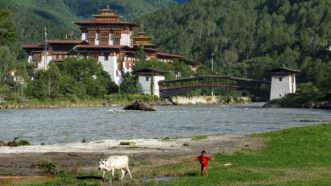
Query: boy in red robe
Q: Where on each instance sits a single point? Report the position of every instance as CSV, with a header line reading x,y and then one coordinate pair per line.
x,y
204,160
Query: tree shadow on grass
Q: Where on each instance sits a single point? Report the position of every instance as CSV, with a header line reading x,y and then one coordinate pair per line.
x,y
89,178
191,174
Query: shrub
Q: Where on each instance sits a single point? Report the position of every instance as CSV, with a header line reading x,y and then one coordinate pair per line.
x,y
48,167
17,142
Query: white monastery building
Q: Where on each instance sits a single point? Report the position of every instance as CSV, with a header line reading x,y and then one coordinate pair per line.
x,y
106,38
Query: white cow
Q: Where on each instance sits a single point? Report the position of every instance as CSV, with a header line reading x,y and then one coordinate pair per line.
x,y
113,163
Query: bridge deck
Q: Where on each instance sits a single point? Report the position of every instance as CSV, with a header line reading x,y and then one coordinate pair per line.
x,y
172,87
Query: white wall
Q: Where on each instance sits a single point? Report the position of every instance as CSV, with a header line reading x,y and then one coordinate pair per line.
x,y
43,64
185,100
294,84
111,67
127,68
282,85
30,59
84,36
97,39
110,42
126,39
144,82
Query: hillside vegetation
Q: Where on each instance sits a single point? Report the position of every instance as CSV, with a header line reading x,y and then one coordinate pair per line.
x,y
248,38
31,16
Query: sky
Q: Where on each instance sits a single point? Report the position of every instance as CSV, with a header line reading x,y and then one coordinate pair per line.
x,y
182,1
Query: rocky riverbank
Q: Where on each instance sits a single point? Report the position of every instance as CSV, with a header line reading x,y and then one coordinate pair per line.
x,y
108,101
193,100
288,104
121,101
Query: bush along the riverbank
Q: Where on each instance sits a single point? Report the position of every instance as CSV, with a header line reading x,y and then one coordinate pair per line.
x,y
308,96
15,142
108,100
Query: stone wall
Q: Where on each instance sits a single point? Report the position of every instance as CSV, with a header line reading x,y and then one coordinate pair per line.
x,y
183,100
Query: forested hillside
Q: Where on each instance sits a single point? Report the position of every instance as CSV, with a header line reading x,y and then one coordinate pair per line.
x,y
249,37
31,16
127,8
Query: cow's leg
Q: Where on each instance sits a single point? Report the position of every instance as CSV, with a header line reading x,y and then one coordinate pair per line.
x,y
103,174
113,175
128,170
123,174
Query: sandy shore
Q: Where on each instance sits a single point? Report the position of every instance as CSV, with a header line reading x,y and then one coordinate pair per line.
x,y
23,161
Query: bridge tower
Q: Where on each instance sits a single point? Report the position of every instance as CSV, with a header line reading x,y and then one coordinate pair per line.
x,y
148,80
283,82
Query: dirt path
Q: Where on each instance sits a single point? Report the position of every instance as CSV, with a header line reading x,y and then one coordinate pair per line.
x,y
33,160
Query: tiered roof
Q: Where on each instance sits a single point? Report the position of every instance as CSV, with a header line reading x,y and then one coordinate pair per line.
x,y
142,39
105,17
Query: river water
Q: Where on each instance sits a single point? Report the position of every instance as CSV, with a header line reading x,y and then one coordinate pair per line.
x,y
72,125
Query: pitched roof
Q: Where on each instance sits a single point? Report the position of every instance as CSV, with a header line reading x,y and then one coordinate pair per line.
x,y
150,70
57,41
99,46
52,42
283,70
94,22
32,46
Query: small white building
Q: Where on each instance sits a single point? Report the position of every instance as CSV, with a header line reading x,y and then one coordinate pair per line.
x,y
283,82
148,80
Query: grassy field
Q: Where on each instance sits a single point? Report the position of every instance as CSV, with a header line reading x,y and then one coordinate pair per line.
x,y
293,157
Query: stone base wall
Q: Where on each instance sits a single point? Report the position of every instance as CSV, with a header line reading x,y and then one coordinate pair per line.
x,y
183,100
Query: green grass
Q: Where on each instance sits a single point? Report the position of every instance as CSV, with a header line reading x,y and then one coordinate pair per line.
x,y
293,157
198,138
297,156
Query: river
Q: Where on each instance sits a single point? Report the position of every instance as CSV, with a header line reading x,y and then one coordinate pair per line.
x,y
51,126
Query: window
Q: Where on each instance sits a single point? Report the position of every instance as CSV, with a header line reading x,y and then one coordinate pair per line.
x,y
117,38
111,39
280,79
106,56
97,42
147,78
84,36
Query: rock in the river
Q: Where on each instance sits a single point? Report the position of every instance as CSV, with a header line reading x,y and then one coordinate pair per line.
x,y
271,105
2,143
139,105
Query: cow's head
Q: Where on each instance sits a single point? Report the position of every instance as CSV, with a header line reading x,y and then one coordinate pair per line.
x,y
102,165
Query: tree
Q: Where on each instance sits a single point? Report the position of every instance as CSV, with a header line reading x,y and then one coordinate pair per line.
x,y
7,29
72,78
140,55
7,64
129,84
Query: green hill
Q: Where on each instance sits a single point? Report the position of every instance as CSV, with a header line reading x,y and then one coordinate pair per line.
x,y
248,38
246,34
31,16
